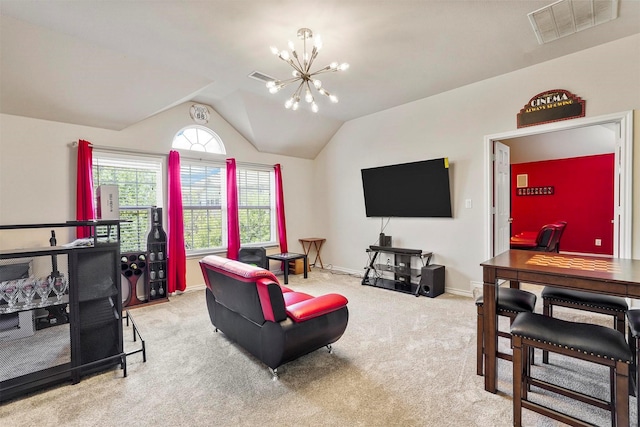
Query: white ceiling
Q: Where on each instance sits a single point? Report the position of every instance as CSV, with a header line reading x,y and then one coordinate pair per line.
x,y
563,144
111,64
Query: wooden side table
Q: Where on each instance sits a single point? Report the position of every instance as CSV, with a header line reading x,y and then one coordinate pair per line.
x,y
316,243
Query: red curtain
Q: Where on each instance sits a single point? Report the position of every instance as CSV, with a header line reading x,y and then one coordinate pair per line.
x,y
84,187
233,226
176,254
282,227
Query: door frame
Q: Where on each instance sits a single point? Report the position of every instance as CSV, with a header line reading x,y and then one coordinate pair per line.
x,y
624,168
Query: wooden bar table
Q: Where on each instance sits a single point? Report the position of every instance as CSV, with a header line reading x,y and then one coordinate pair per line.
x,y
610,276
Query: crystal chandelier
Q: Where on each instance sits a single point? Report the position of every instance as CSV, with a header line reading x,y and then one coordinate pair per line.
x,y
302,73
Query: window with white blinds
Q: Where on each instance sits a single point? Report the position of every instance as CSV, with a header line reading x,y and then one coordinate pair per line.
x,y
139,181
255,207
202,193
204,203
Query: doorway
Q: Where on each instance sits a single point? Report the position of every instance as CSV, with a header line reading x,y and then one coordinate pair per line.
x,y
623,124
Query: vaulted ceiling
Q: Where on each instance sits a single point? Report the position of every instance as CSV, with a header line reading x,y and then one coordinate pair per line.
x,y
111,64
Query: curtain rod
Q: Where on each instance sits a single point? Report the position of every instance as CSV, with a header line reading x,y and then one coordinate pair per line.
x,y
151,153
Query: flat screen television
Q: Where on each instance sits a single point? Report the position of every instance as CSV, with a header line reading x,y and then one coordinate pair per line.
x,y
414,190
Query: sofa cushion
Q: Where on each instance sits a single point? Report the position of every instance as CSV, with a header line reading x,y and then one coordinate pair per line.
x,y
315,307
294,297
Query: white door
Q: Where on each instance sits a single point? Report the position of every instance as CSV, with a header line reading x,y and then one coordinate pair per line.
x,y
502,198
618,185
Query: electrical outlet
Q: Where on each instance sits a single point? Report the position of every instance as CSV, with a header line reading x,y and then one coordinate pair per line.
x,y
598,242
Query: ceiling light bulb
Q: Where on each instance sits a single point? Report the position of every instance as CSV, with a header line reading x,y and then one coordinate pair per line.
x,y
274,89
314,107
308,97
333,65
295,73
295,106
271,83
317,42
289,103
317,83
322,91
344,66
333,98
292,46
274,50
284,55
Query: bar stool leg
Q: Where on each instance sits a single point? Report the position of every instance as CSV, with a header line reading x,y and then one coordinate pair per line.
x,y
518,370
480,344
547,310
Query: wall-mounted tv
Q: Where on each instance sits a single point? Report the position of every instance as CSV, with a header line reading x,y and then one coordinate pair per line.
x,y
414,190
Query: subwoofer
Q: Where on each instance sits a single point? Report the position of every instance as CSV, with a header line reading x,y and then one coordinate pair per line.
x,y
432,280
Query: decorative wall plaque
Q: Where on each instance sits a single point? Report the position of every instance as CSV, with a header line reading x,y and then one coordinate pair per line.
x,y
546,190
551,106
199,113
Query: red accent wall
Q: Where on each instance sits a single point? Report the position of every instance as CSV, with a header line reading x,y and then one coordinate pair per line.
x,y
583,196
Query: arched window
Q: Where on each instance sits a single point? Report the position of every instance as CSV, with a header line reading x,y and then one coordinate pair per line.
x,y
198,138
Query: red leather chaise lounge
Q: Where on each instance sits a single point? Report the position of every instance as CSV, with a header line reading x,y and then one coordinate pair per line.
x,y
272,322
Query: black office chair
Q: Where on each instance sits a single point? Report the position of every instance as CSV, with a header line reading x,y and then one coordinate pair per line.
x,y
255,256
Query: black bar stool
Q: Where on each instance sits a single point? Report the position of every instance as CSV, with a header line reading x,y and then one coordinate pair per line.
x,y
585,301
511,301
593,343
634,345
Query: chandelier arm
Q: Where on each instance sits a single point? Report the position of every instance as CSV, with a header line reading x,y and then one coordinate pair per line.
x,y
300,87
293,65
323,70
309,89
299,67
283,83
314,55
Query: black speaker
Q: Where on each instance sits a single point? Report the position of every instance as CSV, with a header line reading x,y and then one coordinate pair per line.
x,y
384,240
432,280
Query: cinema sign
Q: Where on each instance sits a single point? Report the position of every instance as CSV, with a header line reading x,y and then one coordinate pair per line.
x,y
551,106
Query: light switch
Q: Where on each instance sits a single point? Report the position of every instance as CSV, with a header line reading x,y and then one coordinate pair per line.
x,y
468,203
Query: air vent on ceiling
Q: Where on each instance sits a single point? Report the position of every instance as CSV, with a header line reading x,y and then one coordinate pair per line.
x,y
566,17
256,75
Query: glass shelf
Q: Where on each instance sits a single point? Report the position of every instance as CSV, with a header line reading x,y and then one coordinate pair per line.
x,y
35,304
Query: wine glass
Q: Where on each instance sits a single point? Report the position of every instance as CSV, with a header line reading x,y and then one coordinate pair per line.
x,y
59,286
28,288
43,287
3,295
11,291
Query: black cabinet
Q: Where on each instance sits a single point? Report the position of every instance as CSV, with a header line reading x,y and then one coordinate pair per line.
x,y
84,333
397,269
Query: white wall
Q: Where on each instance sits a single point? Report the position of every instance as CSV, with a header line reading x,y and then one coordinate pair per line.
x,y
453,125
324,197
37,171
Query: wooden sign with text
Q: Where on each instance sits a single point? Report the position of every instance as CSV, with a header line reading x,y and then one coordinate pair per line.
x,y
551,106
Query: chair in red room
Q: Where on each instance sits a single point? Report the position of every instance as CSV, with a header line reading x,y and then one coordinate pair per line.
x,y
547,240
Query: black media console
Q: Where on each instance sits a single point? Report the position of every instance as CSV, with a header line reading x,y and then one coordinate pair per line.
x,y
391,268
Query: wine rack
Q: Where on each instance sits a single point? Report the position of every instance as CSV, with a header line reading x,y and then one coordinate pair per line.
x,y
157,256
135,286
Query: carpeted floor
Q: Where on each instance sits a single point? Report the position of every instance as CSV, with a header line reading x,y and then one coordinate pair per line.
x,y
403,361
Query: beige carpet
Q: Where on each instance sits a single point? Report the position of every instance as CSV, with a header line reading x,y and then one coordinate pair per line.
x,y
403,361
